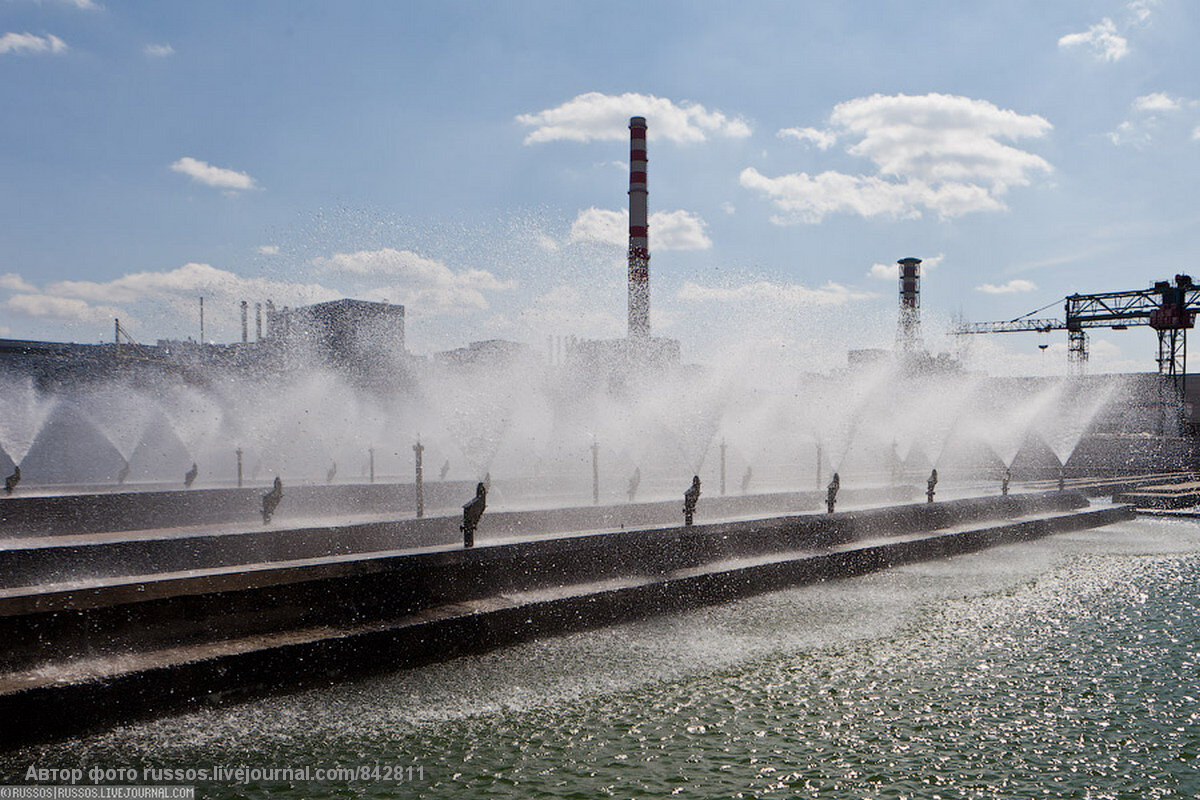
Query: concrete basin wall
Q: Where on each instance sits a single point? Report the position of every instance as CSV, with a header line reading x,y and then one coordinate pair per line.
x,y
182,608
39,515
42,709
28,562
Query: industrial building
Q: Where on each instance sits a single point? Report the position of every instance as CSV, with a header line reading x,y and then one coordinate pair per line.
x,y
491,352
350,336
344,333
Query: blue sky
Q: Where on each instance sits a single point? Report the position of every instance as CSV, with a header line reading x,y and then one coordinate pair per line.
x,y
468,160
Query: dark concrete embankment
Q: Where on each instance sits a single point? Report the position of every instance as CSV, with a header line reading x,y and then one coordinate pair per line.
x,y
101,512
32,560
122,647
1177,495
40,515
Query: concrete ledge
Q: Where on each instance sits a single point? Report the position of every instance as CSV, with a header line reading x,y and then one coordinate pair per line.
x,y
35,706
1162,496
51,559
118,615
41,515
100,512
589,555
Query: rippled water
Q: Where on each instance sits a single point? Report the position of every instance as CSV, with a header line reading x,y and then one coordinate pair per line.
x,y
1065,667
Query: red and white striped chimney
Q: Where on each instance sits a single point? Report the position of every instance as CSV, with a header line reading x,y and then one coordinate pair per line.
x,y
639,232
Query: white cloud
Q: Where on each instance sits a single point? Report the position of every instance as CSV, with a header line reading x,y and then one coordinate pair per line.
x,y
805,198
1129,132
64,309
678,230
1140,10
594,116
669,230
149,301
1149,112
932,263
158,50
775,295
891,272
190,281
170,296
600,225
268,249
1157,101
884,272
15,283
822,139
934,152
217,177
728,208
28,43
1014,286
1101,39
938,137
1196,133
425,284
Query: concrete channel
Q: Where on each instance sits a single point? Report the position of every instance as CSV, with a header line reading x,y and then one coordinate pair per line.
x,y
95,652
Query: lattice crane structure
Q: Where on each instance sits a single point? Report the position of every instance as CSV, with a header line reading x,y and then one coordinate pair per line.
x,y
1169,308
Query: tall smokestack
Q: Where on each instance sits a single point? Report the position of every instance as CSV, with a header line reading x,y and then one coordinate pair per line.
x,y
908,332
639,232
245,325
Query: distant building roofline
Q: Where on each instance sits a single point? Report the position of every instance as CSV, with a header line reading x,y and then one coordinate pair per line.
x,y
349,301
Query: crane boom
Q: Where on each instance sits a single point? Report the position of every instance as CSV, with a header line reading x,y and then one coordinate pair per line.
x,y
1012,326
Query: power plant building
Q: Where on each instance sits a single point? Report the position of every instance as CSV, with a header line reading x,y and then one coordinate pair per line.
x,y
342,330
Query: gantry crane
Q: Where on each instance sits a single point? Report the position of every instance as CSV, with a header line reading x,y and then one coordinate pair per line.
x,y
1169,308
